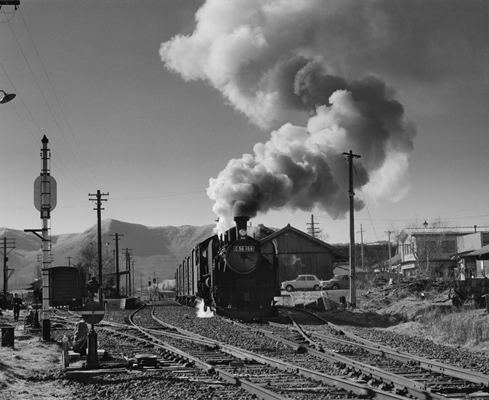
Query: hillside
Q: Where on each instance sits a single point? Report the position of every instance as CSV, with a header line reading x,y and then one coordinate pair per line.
x,y
156,251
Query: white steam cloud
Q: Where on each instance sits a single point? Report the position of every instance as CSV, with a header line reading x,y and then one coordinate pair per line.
x,y
270,57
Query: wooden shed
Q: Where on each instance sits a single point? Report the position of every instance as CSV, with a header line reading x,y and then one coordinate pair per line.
x,y
300,253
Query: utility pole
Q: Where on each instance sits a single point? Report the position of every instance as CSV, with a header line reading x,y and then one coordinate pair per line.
x,y
133,277
8,246
390,260
117,238
128,270
312,230
69,261
351,193
99,208
361,244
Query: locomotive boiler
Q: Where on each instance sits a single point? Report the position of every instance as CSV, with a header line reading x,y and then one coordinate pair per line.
x,y
230,275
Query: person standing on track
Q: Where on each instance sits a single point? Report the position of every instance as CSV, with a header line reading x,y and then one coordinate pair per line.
x,y
16,303
92,288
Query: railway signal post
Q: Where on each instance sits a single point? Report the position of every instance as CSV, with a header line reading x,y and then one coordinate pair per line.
x,y
45,200
92,312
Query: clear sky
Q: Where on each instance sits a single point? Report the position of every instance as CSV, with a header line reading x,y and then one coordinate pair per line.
x,y
149,100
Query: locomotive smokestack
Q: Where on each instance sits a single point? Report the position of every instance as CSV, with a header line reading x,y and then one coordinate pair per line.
x,y
241,223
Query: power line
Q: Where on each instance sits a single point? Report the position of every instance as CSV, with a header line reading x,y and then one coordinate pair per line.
x,y
365,202
312,230
60,107
44,98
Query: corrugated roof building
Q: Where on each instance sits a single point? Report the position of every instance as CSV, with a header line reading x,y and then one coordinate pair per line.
x,y
300,253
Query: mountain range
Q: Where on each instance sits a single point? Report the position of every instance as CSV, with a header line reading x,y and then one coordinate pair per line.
x,y
155,252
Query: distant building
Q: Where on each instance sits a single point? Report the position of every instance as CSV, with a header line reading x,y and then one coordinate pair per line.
x,y
372,257
344,269
300,253
434,250
472,264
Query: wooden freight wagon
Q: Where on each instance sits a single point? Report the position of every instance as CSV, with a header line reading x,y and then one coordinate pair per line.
x,y
67,287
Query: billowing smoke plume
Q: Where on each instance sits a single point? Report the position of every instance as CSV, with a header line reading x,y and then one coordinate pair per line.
x,y
302,168
270,57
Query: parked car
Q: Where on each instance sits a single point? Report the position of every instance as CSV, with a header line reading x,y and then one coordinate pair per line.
x,y
337,282
302,282
380,282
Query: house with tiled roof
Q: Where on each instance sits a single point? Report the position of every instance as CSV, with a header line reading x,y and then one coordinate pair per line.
x,y
432,249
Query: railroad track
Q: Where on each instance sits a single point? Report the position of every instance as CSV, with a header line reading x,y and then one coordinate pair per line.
x,y
377,367
140,350
382,366
265,377
289,361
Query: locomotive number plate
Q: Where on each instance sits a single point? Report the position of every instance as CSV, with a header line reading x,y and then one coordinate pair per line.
x,y
243,249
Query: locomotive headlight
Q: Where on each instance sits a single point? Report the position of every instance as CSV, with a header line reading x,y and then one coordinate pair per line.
x,y
242,233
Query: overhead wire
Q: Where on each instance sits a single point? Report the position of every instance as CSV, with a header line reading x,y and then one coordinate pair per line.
x,y
60,107
365,202
59,104
78,183
35,122
17,112
7,13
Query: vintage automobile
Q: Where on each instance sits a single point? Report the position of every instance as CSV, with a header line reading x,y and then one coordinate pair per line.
x,y
302,282
337,282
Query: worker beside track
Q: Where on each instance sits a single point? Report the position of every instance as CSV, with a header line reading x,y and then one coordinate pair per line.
x,y
80,338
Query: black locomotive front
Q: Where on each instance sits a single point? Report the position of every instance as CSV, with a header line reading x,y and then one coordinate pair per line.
x,y
244,280
230,275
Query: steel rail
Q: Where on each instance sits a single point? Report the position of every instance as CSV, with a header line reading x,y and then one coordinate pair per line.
x,y
412,388
345,384
226,376
250,387
431,365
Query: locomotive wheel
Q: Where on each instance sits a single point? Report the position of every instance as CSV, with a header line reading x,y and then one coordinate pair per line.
x,y
335,286
316,288
289,288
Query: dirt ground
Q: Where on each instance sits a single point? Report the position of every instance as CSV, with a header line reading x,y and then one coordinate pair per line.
x,y
30,370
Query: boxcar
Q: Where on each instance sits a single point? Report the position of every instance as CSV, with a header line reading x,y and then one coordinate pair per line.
x,y
67,287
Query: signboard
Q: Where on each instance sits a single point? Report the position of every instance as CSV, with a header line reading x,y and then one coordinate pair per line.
x,y
244,249
93,312
52,197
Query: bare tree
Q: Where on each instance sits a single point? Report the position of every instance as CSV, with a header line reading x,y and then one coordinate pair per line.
x,y
88,260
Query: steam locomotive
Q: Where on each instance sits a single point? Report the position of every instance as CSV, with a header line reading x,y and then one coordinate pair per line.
x,y
230,275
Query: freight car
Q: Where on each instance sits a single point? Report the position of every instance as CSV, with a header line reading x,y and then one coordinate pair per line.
x,y
230,275
67,287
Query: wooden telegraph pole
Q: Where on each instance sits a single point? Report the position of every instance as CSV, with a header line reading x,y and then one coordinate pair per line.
x,y
117,274
351,193
99,208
